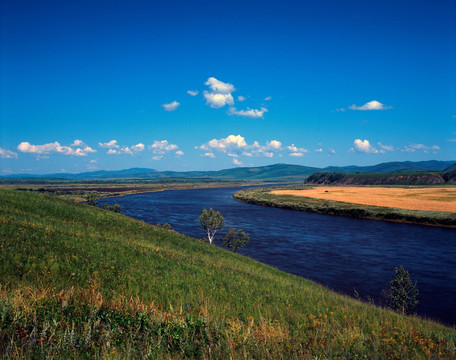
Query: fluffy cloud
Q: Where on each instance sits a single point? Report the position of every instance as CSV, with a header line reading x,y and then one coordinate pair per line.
x,y
215,100
364,146
250,113
319,150
162,147
331,152
171,106
179,153
220,94
385,148
109,145
218,86
296,152
192,92
371,105
7,154
209,155
235,146
241,98
55,147
237,162
115,149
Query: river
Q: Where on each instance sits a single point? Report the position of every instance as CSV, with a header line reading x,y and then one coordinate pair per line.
x,y
341,253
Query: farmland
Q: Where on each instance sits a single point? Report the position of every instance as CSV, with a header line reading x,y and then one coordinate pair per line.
x,y
428,198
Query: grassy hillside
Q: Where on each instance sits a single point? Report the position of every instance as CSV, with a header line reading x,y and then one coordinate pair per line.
x,y
80,282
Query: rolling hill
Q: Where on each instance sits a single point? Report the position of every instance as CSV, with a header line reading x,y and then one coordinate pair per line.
x,y
80,282
276,172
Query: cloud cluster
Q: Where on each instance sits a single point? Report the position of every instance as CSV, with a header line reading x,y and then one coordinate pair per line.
x,y
192,92
364,146
115,149
296,151
235,146
426,149
7,154
77,148
161,147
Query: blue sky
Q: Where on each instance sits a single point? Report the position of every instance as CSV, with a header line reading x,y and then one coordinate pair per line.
x,y
201,85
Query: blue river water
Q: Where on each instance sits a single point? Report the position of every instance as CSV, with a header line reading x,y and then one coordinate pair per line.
x,y
341,253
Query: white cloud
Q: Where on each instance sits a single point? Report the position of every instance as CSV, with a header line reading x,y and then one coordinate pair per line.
x,y
220,94
209,155
7,154
250,113
124,150
235,145
274,144
138,147
296,152
319,150
218,86
364,146
371,105
268,98
157,157
216,100
109,145
426,149
331,152
55,147
93,161
192,92
77,143
241,98
385,148
230,142
171,106
162,147
179,153
237,162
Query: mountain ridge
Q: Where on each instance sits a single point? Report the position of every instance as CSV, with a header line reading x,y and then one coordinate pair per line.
x,y
278,171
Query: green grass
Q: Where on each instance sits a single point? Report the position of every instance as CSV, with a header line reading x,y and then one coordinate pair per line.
x,y
80,282
263,197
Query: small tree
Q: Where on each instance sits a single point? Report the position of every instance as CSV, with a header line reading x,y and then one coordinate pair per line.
x,y
211,221
235,239
115,208
403,296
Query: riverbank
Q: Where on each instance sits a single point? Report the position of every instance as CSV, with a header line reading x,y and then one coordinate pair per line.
x,y
79,190
265,197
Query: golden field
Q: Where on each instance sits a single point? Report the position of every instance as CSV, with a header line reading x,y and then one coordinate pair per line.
x,y
429,199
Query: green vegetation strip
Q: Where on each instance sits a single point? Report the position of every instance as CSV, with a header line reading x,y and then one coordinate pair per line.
x,y
79,282
263,197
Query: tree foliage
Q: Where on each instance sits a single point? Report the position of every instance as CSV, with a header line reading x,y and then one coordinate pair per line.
x,y
403,296
92,199
114,208
235,239
211,221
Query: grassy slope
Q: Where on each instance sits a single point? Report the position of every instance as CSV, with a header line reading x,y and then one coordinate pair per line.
x,y
81,282
262,196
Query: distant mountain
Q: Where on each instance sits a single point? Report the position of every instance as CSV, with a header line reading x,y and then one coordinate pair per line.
x,y
276,172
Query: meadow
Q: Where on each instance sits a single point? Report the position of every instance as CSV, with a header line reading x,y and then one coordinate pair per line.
x,y
81,282
285,197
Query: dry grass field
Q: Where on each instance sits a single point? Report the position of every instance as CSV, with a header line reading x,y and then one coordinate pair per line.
x,y
430,199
